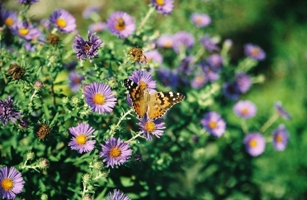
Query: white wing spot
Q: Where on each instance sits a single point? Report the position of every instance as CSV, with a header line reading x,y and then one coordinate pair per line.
x,y
162,95
171,94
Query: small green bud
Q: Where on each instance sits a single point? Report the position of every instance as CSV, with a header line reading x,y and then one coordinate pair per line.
x,y
86,178
44,197
43,163
30,155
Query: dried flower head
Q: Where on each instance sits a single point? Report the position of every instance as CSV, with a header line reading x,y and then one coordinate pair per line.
x,y
16,71
137,55
42,131
53,39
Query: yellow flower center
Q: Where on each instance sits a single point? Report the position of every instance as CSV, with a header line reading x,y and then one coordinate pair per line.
x,y
278,138
198,20
61,23
115,152
255,51
143,85
7,184
244,111
212,124
81,139
168,44
9,22
99,99
23,31
160,2
150,126
120,24
252,143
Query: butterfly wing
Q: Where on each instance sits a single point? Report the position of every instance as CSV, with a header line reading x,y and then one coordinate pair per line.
x,y
160,102
137,96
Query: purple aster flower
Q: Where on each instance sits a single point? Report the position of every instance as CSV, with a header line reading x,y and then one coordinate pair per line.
x,y
8,111
215,62
75,80
185,65
143,77
231,91
214,124
254,143
209,43
63,21
45,23
164,7
117,195
98,27
81,140
99,97
121,24
11,182
211,75
244,82
87,49
280,138
168,77
115,152
9,18
154,56
199,80
200,20
29,47
281,111
149,128
254,52
89,11
165,41
182,40
245,109
71,65
25,30
28,1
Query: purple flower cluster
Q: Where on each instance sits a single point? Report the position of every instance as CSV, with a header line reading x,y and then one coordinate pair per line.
x,y
254,52
121,24
241,85
8,111
254,143
87,49
163,6
214,124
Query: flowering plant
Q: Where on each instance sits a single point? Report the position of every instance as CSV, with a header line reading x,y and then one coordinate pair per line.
x,y
133,111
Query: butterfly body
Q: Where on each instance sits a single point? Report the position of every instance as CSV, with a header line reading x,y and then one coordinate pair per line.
x,y
154,105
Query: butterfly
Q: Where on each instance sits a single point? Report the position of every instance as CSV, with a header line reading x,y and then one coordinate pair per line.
x,y
154,105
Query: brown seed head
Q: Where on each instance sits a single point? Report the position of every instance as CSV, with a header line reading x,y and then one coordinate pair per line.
x,y
16,71
42,131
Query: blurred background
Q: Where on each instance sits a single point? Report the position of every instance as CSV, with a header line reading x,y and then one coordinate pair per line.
x,y
279,27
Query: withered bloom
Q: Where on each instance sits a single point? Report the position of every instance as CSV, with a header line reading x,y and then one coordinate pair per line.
x,y
42,131
137,55
53,39
16,71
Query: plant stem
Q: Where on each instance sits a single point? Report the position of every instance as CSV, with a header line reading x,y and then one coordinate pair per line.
x,y
269,122
146,17
119,121
244,126
136,136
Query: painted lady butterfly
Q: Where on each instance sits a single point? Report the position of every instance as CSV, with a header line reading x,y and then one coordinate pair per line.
x,y
155,105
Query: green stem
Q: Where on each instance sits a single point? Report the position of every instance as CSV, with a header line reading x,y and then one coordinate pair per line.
x,y
3,73
270,121
146,17
244,126
134,137
119,121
